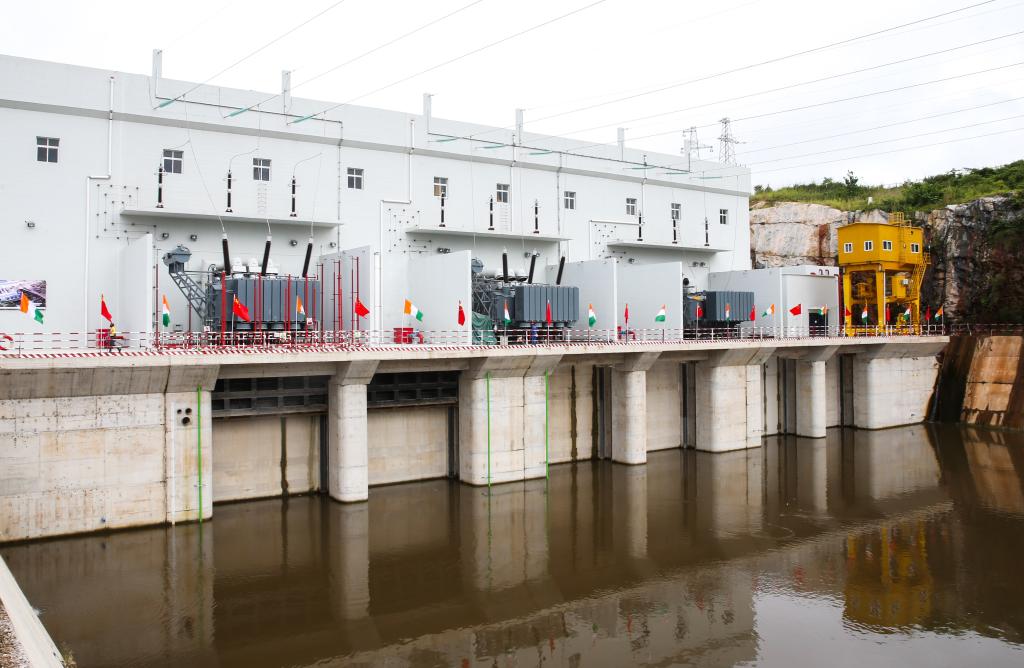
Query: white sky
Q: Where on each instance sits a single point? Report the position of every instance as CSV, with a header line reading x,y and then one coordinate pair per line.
x,y
615,48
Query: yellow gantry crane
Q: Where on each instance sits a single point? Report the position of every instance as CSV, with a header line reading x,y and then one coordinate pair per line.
x,y
883,266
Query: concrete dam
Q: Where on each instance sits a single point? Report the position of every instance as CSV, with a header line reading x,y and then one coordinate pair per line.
x,y
98,441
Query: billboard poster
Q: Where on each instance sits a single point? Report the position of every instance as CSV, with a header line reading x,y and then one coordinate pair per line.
x,y
11,289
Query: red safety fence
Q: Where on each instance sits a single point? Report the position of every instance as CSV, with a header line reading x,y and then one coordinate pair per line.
x,y
61,344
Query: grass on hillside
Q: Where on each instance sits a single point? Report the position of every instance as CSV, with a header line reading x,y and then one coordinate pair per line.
x,y
954,187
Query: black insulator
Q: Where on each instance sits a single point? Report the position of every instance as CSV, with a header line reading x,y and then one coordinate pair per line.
x,y
309,253
227,256
561,266
504,267
266,258
533,263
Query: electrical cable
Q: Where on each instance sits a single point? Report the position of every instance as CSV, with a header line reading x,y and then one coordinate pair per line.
x,y
754,65
457,58
253,53
365,54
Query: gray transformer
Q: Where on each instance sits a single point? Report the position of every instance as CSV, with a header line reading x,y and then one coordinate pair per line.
x,y
714,303
275,311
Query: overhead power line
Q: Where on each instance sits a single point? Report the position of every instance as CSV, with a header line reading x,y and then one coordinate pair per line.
x,y
796,85
453,60
253,53
880,127
364,54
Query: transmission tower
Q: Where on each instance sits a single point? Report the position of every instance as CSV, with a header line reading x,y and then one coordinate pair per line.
x,y
727,143
692,145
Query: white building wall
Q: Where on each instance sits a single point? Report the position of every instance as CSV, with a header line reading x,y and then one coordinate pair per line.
x,y
75,246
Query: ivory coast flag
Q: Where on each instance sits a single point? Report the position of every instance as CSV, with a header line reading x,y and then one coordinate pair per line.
x,y
906,314
938,314
661,314
410,309
768,311
505,315
591,316
166,311
864,313
299,308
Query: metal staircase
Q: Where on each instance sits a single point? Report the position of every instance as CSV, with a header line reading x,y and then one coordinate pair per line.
x,y
193,291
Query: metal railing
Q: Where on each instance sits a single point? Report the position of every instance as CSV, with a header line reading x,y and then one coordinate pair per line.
x,y
34,343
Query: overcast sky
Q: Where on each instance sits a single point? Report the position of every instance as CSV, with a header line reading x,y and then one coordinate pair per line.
x,y
610,50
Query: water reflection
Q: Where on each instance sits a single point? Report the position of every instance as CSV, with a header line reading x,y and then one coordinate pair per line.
x,y
907,538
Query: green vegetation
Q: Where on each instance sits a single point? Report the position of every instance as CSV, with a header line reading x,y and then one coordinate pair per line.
x,y
954,187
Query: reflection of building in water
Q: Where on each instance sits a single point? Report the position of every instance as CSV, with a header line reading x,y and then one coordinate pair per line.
x,y
996,461
888,579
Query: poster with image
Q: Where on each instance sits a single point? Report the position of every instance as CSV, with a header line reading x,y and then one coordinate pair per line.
x,y
11,290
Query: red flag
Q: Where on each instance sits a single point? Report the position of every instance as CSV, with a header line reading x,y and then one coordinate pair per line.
x,y
888,314
700,311
104,311
547,313
753,313
847,312
627,314
361,309
462,314
239,309
928,314
796,310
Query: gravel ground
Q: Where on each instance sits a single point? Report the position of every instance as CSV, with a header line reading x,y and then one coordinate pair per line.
x,y
11,655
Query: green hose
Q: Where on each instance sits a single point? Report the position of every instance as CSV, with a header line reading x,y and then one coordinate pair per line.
x,y
488,376
547,458
199,445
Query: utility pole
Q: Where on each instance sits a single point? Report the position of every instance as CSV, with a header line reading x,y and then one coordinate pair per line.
x,y
727,143
692,145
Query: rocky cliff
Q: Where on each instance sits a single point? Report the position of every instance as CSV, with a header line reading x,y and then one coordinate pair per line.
x,y
977,248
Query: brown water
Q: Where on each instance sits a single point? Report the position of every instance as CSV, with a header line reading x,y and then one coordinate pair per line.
x,y
900,547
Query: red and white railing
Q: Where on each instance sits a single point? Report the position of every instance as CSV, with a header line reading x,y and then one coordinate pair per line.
x,y
101,341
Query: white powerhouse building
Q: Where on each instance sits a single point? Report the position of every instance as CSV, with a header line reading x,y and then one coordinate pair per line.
x,y
81,148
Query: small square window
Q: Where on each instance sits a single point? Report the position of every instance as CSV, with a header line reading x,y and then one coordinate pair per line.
x,y
260,169
630,206
677,211
173,160
46,149
886,245
869,245
847,247
723,216
441,186
915,248
570,199
355,178
501,193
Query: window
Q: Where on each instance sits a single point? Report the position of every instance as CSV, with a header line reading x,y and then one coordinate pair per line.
x,y
570,199
630,206
501,194
173,160
46,149
355,178
723,216
886,245
260,169
441,186
869,245
847,248
677,211
915,248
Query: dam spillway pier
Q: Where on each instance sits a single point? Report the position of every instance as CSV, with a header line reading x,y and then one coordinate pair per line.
x,y
101,441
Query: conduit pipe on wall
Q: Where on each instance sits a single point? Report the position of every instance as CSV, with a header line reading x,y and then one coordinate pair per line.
x,y
88,199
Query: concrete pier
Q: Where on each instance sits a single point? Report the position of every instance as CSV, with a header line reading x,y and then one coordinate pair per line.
x,y
116,440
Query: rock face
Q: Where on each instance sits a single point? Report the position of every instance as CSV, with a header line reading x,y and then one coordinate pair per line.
x,y
977,259
977,271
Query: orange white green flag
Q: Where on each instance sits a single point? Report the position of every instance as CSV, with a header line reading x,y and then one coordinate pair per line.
x,y
411,309
166,313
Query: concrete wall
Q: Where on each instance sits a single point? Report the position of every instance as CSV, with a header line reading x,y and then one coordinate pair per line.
x,y
408,443
437,284
570,422
892,391
646,287
81,464
261,456
994,394
597,281
664,406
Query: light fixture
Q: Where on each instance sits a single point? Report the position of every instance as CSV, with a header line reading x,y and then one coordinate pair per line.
x,y
443,250
165,235
193,237
293,242
30,224
333,245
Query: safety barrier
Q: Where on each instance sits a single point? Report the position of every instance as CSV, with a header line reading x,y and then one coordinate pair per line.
x,y
59,344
